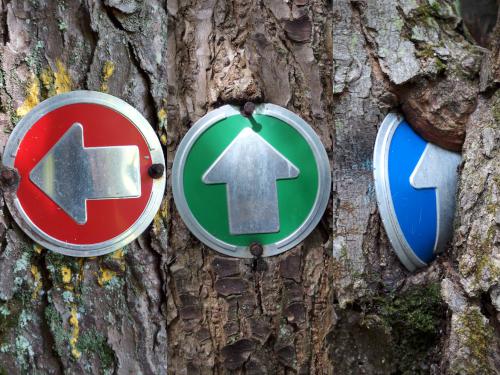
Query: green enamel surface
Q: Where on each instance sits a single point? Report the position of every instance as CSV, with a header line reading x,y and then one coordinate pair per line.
x,y
208,203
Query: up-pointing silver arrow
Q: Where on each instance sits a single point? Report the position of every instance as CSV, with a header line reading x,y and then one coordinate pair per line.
x,y
70,173
437,168
249,167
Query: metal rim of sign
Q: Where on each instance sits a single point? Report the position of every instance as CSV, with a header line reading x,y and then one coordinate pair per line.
x,y
142,125
383,193
322,195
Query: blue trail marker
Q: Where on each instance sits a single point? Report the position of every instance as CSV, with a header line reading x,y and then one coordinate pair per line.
x,y
415,183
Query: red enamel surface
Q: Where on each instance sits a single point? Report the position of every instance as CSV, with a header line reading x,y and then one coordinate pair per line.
x,y
106,218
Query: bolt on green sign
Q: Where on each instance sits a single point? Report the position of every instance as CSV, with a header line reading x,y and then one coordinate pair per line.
x,y
241,180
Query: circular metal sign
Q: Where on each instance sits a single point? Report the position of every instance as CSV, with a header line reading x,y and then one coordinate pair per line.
x,y
83,159
262,179
415,184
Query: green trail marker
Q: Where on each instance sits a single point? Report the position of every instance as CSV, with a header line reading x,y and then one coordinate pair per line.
x,y
260,178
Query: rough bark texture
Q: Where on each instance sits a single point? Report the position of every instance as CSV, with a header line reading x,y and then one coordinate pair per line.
x,y
271,315
471,288
59,314
342,66
414,55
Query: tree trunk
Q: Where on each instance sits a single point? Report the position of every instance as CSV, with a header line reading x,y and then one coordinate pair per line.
x,y
341,66
61,314
270,315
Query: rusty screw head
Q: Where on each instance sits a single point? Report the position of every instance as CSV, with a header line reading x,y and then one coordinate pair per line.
x,y
156,170
256,249
8,176
248,109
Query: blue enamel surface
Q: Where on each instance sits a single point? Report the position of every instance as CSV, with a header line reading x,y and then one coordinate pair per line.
x,y
415,208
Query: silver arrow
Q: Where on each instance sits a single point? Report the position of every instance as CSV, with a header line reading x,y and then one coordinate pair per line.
x,y
70,173
249,167
437,168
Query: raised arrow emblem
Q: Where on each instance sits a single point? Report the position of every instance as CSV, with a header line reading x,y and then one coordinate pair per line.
x,y
249,167
70,173
437,168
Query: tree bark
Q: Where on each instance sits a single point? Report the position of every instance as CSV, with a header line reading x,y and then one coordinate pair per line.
x,y
248,316
342,66
61,314
415,56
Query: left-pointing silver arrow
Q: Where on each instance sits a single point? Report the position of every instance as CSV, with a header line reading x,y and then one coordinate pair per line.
x,y
70,173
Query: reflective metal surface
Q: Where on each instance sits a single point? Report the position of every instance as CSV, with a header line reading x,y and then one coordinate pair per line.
x,y
70,173
249,167
156,153
324,179
436,169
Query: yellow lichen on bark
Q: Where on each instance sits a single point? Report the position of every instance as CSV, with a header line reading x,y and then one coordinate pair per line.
x,y
37,248
162,115
37,281
65,274
73,321
55,82
118,256
162,118
163,139
160,215
107,72
47,78
156,223
62,79
105,276
32,97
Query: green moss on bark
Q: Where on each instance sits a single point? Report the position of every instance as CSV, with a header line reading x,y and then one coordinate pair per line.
x,y
55,322
413,320
91,343
478,338
9,314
